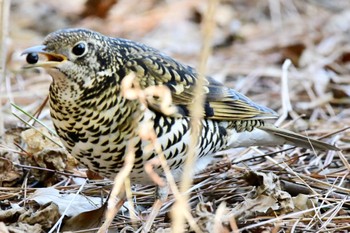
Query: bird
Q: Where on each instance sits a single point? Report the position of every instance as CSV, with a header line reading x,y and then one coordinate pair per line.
x,y
95,122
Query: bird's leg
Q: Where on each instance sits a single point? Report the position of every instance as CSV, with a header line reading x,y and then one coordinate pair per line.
x,y
161,192
113,209
161,196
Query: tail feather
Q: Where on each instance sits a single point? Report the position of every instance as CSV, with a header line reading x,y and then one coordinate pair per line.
x,y
298,139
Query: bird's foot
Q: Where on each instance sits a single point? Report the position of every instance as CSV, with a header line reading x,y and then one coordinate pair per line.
x,y
112,211
161,193
161,196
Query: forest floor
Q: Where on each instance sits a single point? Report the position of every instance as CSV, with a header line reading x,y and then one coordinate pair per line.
x,y
293,56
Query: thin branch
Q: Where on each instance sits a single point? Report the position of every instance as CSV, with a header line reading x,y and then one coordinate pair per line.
x,y
4,16
196,110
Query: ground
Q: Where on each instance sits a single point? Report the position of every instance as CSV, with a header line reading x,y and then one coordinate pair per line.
x,y
293,56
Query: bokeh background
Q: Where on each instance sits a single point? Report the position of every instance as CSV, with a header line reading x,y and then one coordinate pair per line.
x,y
251,41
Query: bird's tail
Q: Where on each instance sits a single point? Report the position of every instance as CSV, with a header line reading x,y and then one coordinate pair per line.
x,y
298,139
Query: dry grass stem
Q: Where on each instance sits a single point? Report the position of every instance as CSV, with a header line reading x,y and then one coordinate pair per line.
x,y
321,183
152,174
118,189
4,21
275,12
219,216
334,212
196,112
287,216
155,211
160,159
286,104
128,193
58,224
233,225
132,90
344,160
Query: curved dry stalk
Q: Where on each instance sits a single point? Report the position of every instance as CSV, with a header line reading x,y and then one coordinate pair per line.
x,y
196,111
118,189
286,104
4,19
131,89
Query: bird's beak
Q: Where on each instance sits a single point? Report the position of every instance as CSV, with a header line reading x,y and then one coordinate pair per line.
x,y
52,59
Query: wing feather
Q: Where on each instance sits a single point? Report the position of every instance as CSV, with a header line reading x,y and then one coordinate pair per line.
x,y
221,103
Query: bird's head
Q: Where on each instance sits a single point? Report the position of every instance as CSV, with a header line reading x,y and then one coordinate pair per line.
x,y
73,57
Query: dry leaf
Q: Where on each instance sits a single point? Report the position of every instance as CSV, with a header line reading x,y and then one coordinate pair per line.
x,y
266,198
32,218
46,215
85,220
83,212
9,174
206,218
20,227
36,141
304,202
98,8
78,203
11,215
46,154
10,140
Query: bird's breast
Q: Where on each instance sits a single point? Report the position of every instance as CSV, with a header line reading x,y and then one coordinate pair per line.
x,y
96,132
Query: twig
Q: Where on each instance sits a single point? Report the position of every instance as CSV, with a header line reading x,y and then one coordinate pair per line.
x,y
220,212
35,119
279,218
119,188
286,105
275,13
196,110
132,90
59,222
128,193
334,212
43,169
344,160
4,16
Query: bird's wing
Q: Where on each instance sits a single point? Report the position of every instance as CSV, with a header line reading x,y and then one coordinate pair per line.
x,y
221,103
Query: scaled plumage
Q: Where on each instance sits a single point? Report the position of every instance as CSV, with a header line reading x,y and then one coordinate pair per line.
x,y
96,123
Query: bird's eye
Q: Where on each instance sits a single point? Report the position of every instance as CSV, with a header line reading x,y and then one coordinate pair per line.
x,y
79,49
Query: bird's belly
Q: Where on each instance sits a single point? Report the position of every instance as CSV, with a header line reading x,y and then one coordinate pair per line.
x,y
174,136
103,151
